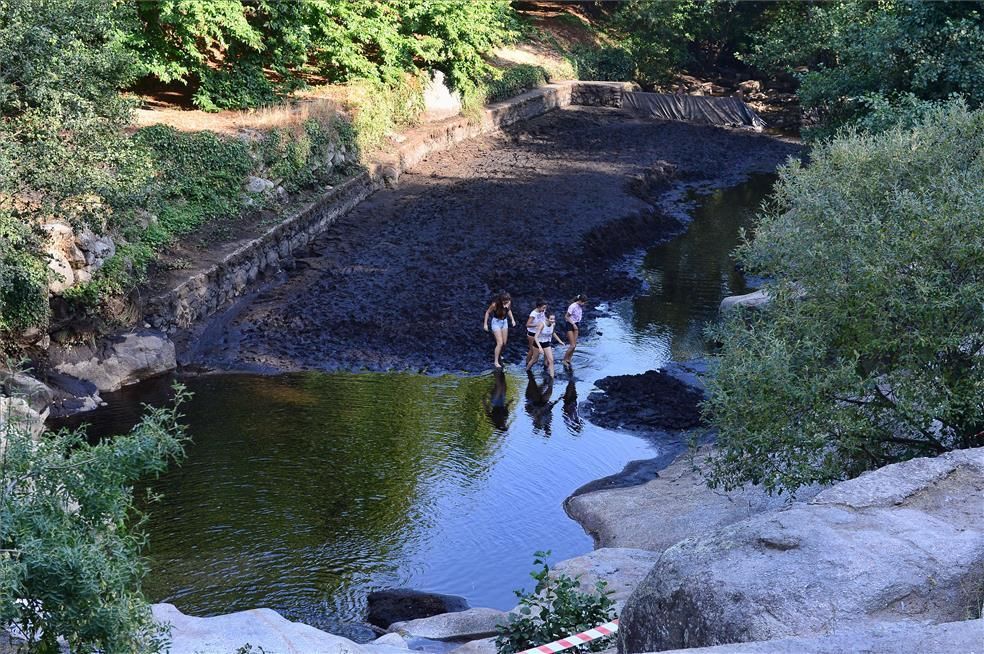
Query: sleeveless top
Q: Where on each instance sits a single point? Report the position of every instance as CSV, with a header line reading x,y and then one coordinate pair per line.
x,y
546,334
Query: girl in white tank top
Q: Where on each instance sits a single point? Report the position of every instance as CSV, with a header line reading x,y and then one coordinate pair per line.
x,y
545,336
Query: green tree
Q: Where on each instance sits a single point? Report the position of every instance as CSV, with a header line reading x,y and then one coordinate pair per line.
x,y
846,53
70,536
872,348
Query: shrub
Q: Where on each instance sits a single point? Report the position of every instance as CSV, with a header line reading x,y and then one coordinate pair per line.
x,y
70,535
612,63
555,608
870,351
513,81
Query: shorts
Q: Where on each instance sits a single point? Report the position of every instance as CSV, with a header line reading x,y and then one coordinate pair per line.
x,y
546,345
572,327
498,324
530,334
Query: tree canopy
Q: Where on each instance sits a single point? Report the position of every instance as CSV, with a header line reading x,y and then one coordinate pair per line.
x,y
872,348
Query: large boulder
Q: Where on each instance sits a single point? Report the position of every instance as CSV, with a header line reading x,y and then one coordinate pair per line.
x,y
662,512
393,605
905,542
966,637
116,362
264,630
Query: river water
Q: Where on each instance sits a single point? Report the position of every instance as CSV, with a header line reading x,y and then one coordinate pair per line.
x,y
304,492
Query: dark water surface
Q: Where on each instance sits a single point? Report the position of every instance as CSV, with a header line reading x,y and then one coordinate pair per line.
x,y
304,492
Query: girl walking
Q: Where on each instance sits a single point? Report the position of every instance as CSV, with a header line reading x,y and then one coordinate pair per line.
x,y
545,336
575,312
500,310
537,317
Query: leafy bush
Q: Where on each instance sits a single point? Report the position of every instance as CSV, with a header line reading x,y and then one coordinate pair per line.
x,y
555,608
70,535
239,87
23,277
513,81
613,63
870,351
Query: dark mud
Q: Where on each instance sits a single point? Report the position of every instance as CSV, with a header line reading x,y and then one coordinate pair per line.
x,y
542,210
653,401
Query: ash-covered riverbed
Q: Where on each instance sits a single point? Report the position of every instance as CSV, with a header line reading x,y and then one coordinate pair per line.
x,y
304,491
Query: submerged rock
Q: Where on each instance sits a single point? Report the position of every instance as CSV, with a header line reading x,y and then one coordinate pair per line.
x,y
905,542
402,604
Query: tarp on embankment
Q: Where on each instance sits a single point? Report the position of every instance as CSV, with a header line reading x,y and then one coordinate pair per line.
x,y
706,109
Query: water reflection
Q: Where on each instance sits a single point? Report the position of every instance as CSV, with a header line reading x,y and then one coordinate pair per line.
x,y
539,407
688,276
497,405
571,417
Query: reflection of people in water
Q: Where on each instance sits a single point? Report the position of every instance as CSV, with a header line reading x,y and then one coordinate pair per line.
x,y
538,404
571,417
496,406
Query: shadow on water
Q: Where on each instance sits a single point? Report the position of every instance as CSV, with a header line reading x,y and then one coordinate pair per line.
x,y
304,492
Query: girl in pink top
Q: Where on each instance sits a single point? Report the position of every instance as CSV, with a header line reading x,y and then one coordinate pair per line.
x,y
575,312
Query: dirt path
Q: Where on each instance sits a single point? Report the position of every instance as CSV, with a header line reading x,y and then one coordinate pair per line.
x,y
544,209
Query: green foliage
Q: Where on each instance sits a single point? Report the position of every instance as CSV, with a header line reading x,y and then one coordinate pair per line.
x,y
240,87
555,608
870,351
23,277
61,150
513,81
664,37
70,535
381,108
613,63
63,58
845,53
223,46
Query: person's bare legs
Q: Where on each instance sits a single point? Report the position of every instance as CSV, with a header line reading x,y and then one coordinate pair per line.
x,y
548,355
571,344
500,342
536,357
532,351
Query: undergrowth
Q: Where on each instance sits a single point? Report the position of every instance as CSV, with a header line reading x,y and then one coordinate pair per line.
x,y
556,608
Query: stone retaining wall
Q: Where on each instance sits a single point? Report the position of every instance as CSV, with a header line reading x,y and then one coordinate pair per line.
x,y
204,293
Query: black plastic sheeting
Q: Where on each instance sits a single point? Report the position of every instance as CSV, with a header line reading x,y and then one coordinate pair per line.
x,y
706,109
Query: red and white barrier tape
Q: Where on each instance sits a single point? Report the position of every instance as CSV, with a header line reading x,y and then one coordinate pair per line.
x,y
600,631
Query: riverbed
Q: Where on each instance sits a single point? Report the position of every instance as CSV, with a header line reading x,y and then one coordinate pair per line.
x,y
303,491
